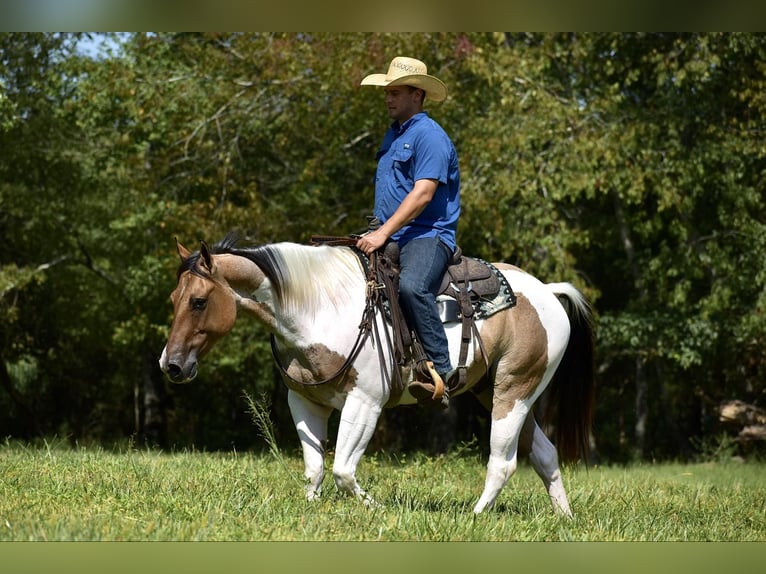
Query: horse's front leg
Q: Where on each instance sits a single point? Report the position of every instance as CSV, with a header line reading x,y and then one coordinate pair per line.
x,y
311,423
358,420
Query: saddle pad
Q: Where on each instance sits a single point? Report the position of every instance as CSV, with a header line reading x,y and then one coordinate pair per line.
x,y
487,302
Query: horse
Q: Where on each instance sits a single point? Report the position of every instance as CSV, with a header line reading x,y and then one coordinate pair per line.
x,y
312,300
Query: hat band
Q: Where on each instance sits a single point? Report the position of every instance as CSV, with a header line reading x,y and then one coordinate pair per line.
x,y
409,68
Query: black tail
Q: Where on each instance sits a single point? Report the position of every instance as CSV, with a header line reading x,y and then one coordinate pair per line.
x,y
572,389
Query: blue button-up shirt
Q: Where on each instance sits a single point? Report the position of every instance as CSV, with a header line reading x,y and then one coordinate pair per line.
x,y
419,149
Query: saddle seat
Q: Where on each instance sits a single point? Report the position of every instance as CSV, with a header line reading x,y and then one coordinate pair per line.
x,y
469,270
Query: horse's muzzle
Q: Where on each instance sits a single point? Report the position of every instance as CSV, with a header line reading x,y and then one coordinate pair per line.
x,y
176,374
178,371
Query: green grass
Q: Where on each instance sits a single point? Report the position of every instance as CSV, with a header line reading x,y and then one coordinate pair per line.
x,y
61,493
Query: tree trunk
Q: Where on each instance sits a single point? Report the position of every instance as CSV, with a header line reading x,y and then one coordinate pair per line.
x,y
642,387
642,407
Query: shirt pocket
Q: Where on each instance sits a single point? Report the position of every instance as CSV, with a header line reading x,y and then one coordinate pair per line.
x,y
403,154
402,163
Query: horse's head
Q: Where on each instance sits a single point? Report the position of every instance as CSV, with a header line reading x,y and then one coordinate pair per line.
x,y
204,309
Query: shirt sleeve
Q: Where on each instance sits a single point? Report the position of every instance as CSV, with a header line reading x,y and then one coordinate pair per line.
x,y
431,157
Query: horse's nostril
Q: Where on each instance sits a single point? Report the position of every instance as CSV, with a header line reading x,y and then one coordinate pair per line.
x,y
174,371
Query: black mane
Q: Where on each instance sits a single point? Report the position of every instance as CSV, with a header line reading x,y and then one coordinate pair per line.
x,y
265,257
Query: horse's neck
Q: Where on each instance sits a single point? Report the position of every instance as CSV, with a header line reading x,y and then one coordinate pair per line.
x,y
239,272
323,288
246,279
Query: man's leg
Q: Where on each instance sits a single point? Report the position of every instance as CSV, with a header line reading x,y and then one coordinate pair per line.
x,y
423,263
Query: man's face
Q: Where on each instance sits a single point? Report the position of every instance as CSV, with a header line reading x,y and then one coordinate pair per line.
x,y
402,102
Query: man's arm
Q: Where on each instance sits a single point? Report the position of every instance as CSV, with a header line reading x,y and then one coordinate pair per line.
x,y
412,206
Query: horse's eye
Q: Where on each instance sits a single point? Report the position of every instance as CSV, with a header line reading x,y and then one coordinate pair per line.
x,y
198,304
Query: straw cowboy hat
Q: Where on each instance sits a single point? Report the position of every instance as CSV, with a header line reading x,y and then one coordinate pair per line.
x,y
409,72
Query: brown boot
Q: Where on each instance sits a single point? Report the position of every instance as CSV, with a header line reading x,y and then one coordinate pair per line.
x,y
428,386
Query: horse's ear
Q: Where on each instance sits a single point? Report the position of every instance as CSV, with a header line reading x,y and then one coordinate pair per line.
x,y
207,260
183,253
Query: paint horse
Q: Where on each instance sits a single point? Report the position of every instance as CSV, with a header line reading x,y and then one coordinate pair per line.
x,y
312,300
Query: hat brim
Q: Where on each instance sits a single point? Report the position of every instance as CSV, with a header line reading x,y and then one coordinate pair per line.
x,y
434,88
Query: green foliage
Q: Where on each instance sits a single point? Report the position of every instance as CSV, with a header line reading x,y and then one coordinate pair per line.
x,y
629,164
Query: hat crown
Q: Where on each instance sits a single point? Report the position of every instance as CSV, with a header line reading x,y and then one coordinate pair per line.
x,y
403,66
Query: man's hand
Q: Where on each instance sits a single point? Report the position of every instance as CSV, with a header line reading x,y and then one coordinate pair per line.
x,y
415,202
371,241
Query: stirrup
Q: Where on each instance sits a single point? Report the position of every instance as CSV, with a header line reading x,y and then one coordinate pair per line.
x,y
422,388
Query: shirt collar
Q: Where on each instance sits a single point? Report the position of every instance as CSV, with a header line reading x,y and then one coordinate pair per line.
x,y
400,129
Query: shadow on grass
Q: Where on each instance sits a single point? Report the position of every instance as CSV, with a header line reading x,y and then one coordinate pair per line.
x,y
422,501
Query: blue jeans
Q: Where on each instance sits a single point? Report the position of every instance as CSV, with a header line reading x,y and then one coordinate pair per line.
x,y
423,263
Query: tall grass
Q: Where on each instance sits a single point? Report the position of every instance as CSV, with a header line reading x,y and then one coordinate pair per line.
x,y
54,492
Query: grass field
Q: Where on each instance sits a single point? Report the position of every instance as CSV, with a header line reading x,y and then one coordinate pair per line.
x,y
58,493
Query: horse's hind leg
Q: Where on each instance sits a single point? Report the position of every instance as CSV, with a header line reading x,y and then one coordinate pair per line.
x,y
545,461
503,450
311,423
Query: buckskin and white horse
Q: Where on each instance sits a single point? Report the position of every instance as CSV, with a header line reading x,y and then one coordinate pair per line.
x,y
314,302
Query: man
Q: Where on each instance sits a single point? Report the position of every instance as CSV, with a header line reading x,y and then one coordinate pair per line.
x,y
417,201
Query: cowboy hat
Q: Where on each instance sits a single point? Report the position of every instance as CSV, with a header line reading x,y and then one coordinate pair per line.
x,y
409,72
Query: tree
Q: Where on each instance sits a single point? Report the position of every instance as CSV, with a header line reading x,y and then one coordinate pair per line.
x,y
669,158
629,164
